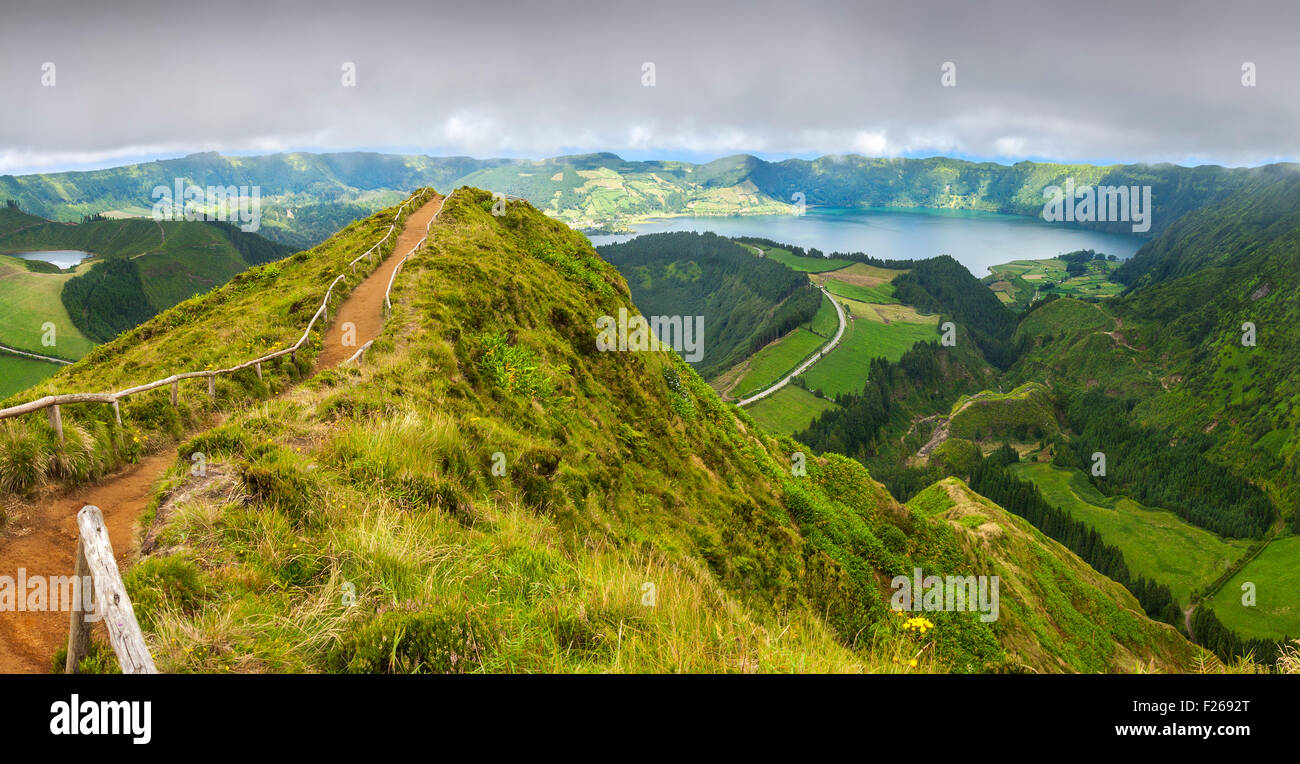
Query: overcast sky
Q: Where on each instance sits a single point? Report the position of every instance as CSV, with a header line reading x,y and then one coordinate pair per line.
x,y
1083,81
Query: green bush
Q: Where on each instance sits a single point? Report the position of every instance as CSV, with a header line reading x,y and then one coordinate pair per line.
x,y
24,458
441,640
281,479
100,659
156,583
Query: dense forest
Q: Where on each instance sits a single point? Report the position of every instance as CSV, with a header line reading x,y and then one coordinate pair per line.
x,y
107,300
746,301
942,285
1227,644
1160,470
927,377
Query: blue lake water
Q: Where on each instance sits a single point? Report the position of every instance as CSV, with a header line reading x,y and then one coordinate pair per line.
x,y
975,239
64,258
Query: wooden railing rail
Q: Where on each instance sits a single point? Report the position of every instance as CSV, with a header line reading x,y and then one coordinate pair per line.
x,y
388,303
53,402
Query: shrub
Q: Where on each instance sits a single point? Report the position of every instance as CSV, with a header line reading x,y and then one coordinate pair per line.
x,y
516,369
24,458
156,583
442,640
281,479
100,659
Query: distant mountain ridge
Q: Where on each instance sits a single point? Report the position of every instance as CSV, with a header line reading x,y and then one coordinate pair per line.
x,y
326,191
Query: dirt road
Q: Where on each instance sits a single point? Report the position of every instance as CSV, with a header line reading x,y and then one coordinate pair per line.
x,y
45,542
806,365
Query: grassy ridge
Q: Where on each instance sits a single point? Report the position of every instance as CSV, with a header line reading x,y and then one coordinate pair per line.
x,y
501,496
262,309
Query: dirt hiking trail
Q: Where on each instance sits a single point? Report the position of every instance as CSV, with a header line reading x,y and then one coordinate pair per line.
x,y
44,542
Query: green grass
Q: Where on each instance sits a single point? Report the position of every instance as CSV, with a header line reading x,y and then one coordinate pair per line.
x,y
825,323
29,300
1155,543
788,410
845,369
378,479
777,359
17,373
1276,576
1025,413
262,309
881,293
806,264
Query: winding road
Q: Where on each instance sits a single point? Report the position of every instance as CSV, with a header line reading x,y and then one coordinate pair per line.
x,y
37,356
801,368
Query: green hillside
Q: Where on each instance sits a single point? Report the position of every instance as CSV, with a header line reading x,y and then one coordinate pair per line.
x,y
323,191
30,299
634,522
1162,381
140,266
1155,543
746,302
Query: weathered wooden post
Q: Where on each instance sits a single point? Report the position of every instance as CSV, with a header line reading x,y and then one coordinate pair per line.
x,y
175,392
258,366
212,386
79,628
56,420
111,603
117,411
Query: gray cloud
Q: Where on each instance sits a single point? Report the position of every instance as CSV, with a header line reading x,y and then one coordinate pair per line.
x,y
1088,81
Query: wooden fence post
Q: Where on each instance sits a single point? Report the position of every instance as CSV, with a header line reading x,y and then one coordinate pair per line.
x,y
175,392
56,420
117,411
79,628
111,602
212,386
259,369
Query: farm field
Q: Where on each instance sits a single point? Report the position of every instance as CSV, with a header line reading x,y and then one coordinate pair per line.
x,y
844,369
804,264
825,322
788,410
1016,283
1277,589
28,300
1155,543
880,293
776,360
17,373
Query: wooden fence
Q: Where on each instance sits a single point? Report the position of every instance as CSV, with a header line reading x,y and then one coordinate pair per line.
x,y
388,303
52,403
95,561
110,604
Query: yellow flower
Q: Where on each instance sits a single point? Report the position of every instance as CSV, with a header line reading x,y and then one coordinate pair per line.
x,y
912,663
